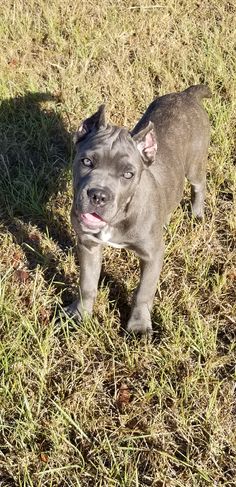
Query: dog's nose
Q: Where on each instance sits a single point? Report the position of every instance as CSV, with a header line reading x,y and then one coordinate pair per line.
x,y
98,196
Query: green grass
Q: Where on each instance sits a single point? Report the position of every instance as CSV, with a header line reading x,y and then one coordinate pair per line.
x,y
62,420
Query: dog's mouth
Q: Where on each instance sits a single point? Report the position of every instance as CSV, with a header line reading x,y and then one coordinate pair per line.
x,y
92,220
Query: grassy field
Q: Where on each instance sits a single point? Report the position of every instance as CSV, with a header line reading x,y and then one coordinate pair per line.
x,y
88,406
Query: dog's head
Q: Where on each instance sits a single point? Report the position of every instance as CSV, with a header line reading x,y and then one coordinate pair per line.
x,y
107,169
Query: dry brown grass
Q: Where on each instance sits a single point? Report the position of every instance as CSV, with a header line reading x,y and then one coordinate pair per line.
x,y
63,419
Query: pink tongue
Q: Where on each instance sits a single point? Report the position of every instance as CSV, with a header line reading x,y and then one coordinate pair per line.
x,y
92,218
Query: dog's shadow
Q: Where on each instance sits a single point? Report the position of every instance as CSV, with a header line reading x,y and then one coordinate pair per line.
x,y
35,150
35,160
117,296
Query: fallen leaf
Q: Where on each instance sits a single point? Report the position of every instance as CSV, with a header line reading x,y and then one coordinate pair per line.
x,y
44,457
16,259
22,275
34,237
123,397
44,315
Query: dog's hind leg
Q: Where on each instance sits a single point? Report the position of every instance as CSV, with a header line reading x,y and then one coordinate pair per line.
x,y
197,178
198,191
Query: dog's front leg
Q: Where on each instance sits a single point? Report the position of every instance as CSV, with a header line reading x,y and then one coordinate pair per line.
x,y
90,261
140,319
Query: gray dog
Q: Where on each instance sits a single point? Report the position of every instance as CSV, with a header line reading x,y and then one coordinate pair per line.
x,y
126,184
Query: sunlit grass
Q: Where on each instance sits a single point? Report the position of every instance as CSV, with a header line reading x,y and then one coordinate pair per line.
x,y
61,420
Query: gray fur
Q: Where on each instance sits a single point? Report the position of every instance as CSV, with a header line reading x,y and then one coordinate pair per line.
x,y
170,142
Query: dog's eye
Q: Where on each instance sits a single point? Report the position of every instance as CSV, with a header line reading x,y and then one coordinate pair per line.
x,y
128,175
87,162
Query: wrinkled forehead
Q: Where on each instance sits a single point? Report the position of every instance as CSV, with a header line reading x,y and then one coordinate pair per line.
x,y
110,142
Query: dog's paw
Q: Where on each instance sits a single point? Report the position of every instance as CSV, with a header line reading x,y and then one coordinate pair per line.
x,y
198,213
72,311
140,323
140,329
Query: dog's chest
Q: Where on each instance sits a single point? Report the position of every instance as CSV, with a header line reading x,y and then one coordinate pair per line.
x,y
105,236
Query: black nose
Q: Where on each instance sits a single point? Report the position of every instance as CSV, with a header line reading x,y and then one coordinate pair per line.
x,y
98,196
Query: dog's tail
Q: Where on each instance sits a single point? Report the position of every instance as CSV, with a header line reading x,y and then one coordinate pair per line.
x,y
199,92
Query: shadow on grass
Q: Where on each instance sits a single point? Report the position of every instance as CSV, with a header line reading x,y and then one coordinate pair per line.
x,y
34,156
117,295
35,161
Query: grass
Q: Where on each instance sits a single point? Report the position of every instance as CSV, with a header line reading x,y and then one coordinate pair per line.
x,y
86,406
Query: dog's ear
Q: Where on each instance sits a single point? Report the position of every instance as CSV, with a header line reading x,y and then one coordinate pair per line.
x,y
146,143
96,121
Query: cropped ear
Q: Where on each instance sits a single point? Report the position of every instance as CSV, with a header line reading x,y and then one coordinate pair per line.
x,y
96,121
146,143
